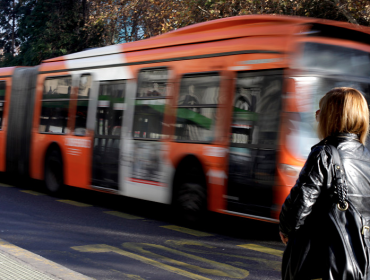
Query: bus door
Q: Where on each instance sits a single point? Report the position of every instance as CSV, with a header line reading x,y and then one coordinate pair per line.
x,y
254,142
107,137
143,165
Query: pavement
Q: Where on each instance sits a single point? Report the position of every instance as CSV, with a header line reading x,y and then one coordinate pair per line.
x,y
19,264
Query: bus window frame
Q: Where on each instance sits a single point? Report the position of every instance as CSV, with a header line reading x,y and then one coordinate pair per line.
x,y
166,97
139,81
175,106
101,83
75,100
68,126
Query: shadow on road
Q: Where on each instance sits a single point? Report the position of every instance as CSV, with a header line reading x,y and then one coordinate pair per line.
x,y
226,225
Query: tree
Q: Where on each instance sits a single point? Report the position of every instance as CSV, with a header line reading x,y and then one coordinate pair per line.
x,y
56,27
120,18
162,16
33,30
131,20
9,40
47,28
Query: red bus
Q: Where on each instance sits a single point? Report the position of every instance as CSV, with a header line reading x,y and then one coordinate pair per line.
x,y
218,115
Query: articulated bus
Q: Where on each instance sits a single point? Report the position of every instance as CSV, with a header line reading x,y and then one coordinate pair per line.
x,y
216,116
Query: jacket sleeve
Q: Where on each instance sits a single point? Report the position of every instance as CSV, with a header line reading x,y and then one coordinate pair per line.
x,y
311,181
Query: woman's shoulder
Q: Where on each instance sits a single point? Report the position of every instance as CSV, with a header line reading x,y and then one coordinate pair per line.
x,y
320,153
320,149
354,150
317,161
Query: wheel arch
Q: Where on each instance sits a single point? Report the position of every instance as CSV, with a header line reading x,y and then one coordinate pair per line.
x,y
53,146
193,161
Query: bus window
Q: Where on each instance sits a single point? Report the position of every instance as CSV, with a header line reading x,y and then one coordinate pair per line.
x,y
2,101
82,104
197,107
254,141
256,111
55,105
150,103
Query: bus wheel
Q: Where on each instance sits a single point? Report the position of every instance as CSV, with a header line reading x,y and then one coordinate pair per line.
x,y
54,172
191,202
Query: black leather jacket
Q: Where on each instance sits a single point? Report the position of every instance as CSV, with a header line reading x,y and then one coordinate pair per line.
x,y
304,210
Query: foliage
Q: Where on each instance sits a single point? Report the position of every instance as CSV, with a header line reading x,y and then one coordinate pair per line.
x,y
9,40
49,28
56,27
174,14
33,30
147,18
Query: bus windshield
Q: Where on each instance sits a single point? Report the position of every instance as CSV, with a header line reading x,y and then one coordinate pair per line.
x,y
335,59
328,67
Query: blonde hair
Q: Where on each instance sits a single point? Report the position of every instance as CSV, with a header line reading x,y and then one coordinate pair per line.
x,y
344,109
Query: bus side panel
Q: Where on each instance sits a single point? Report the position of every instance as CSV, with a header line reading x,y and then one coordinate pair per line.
x,y
3,131
77,155
75,150
41,142
82,149
212,159
211,156
76,172
143,167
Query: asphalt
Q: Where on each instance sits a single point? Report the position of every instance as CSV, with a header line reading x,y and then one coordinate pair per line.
x,y
112,237
19,264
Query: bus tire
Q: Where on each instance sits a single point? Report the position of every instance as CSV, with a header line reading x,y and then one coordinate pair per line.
x,y
54,180
191,202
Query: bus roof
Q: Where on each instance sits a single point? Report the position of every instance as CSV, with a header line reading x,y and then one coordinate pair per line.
x,y
6,71
220,29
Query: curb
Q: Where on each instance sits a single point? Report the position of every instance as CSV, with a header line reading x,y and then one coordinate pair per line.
x,y
20,264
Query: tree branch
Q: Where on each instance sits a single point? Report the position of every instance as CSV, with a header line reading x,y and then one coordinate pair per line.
x,y
344,11
203,10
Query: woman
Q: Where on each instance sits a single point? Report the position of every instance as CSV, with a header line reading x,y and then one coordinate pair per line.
x,y
343,122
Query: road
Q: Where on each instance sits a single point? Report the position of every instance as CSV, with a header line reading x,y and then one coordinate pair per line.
x,y
111,237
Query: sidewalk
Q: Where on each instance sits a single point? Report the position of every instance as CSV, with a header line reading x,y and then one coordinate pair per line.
x,y
19,264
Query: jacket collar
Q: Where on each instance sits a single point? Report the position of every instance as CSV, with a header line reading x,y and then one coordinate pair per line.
x,y
346,136
337,138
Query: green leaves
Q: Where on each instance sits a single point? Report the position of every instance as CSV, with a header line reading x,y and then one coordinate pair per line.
x,y
50,28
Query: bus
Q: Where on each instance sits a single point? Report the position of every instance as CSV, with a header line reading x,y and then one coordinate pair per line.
x,y
217,116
